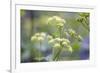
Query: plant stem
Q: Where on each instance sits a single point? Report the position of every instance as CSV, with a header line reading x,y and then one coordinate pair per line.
x,y
59,51
39,51
57,58
57,55
85,26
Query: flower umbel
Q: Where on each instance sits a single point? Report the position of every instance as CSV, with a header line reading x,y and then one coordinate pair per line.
x,y
74,34
60,43
55,20
38,37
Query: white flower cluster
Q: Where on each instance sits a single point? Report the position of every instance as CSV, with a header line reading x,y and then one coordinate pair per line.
x,y
38,37
61,43
55,20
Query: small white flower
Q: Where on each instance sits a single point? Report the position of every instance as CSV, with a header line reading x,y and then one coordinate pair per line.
x,y
33,38
42,34
60,20
60,25
57,39
56,45
65,40
64,43
40,38
37,34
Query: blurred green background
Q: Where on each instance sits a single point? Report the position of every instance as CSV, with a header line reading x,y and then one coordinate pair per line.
x,y
33,21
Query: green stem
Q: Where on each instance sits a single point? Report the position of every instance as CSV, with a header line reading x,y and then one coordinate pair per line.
x,y
56,56
39,51
85,20
85,26
59,51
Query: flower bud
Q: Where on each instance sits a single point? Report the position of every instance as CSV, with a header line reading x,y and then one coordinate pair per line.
x,y
64,43
71,32
40,39
84,14
80,19
79,37
42,34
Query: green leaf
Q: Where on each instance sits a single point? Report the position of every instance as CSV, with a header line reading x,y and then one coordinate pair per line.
x,y
76,46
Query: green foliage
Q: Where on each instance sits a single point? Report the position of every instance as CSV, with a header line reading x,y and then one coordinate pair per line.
x,y
73,34
76,46
83,19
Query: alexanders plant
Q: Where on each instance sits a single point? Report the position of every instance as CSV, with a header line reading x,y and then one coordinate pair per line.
x,y
59,42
